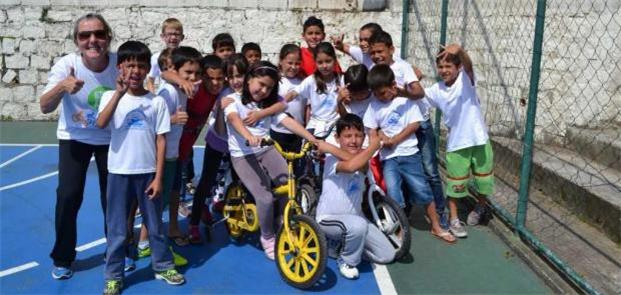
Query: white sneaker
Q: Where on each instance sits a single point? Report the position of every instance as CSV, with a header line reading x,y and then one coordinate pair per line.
x,y
457,228
348,271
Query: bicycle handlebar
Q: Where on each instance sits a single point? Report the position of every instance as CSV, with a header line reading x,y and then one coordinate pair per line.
x,y
290,156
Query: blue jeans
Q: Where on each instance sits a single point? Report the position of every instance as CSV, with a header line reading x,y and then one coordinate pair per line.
x,y
122,191
427,146
408,169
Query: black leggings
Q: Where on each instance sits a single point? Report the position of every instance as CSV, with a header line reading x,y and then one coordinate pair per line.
x,y
73,160
211,163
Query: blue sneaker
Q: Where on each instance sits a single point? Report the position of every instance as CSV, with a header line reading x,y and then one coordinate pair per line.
x,y
130,264
61,273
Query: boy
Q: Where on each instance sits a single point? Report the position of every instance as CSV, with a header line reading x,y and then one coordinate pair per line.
x,y
395,119
408,86
359,53
339,211
223,45
468,147
138,124
252,52
172,35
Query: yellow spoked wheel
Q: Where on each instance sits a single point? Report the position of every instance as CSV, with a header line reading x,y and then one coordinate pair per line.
x,y
232,210
302,261
251,217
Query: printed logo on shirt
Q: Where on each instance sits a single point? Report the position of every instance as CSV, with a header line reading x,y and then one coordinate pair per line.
x,y
136,119
94,97
352,187
328,102
86,118
393,118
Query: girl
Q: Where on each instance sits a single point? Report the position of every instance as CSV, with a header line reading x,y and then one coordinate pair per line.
x,y
320,90
313,33
258,167
290,70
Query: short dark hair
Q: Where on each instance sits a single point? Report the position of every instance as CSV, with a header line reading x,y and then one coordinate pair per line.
x,y
212,61
380,76
381,37
451,58
251,46
133,50
312,21
373,27
222,39
288,49
261,69
356,77
162,60
184,54
239,61
349,121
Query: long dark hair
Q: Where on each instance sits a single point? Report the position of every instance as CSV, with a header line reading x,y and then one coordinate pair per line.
x,y
325,48
260,69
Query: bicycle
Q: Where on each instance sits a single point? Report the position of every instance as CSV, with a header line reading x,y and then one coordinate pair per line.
x,y
300,250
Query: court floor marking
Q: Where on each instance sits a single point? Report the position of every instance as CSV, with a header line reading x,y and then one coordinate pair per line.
x,y
17,269
20,155
27,181
384,282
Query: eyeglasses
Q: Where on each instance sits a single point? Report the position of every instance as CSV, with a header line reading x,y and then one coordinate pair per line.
x,y
99,34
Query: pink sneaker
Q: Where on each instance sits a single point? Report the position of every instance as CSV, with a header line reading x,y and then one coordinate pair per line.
x,y
268,246
195,235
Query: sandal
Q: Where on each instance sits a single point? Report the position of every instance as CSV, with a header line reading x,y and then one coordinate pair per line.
x,y
180,241
445,236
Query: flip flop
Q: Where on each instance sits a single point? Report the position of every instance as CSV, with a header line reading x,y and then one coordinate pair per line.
x,y
445,236
180,241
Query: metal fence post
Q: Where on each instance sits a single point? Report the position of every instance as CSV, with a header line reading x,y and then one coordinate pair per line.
x,y
443,25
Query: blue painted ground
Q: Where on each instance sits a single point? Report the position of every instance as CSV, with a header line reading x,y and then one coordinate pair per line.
x,y
27,235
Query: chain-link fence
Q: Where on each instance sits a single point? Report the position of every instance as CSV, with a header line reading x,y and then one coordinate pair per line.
x,y
552,105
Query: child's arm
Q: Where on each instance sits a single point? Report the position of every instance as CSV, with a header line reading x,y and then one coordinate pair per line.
x,y
413,91
238,125
298,129
339,44
155,188
186,86
356,162
122,83
410,129
255,116
290,95
151,84
343,97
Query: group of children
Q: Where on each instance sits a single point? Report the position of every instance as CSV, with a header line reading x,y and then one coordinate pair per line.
x,y
379,107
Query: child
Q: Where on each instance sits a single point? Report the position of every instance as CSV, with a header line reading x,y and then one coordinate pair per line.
x,y
408,86
172,35
359,53
468,147
258,167
355,97
252,52
313,33
290,71
320,90
223,45
339,211
396,119
138,123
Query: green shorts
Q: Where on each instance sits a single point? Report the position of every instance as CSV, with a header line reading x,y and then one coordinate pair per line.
x,y
170,171
478,160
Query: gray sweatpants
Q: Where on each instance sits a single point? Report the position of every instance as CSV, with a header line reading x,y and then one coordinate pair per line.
x,y
258,172
358,237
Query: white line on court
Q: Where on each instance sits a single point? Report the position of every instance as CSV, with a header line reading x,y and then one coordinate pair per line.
x,y
384,282
28,144
10,186
91,245
20,155
16,269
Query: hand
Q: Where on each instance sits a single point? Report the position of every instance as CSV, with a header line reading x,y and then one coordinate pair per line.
x,y
322,146
226,101
254,140
337,41
252,118
453,49
122,81
375,142
402,92
179,117
71,84
190,88
386,141
154,189
419,74
344,95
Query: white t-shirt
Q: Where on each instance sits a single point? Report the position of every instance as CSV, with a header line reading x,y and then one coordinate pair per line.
x,y
392,117
364,58
155,71
78,112
323,105
341,192
359,107
296,107
134,126
404,75
237,143
175,100
461,110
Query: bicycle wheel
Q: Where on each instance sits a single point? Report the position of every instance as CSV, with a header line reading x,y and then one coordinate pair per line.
x,y
392,222
302,262
232,210
307,198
